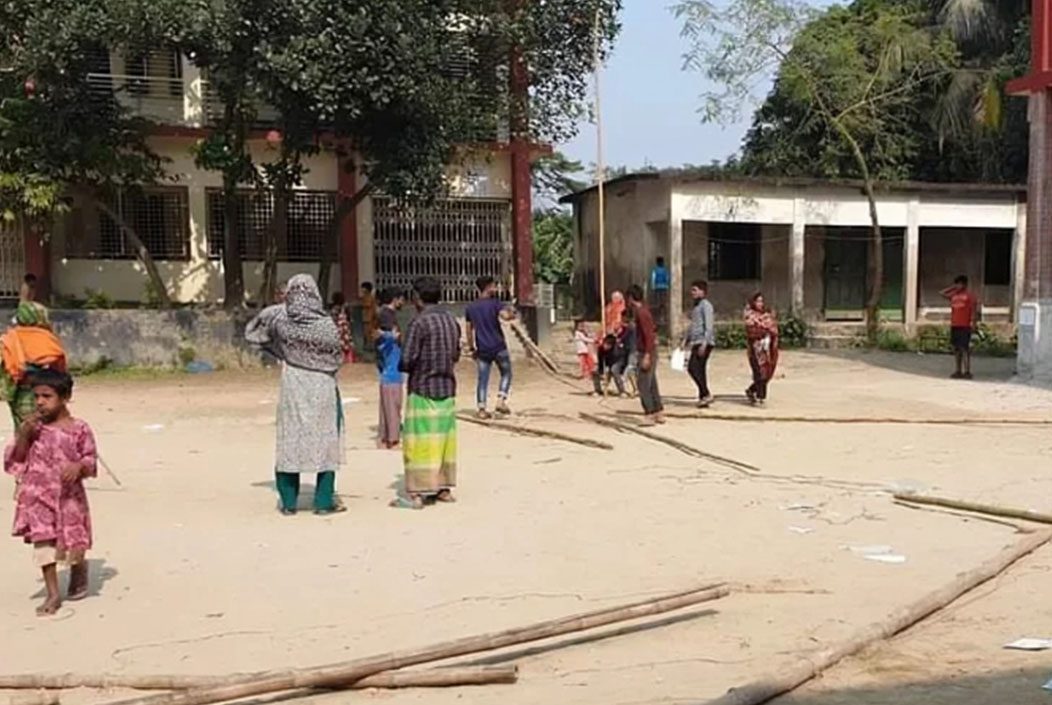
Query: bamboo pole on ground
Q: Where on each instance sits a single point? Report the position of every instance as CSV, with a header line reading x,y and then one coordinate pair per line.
x,y
681,447
537,432
990,509
846,420
849,420
31,699
792,677
425,678
341,675
1019,528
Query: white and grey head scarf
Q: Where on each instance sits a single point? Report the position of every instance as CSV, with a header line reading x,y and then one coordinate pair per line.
x,y
300,331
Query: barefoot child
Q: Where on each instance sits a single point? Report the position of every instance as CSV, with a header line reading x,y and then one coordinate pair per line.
x,y
50,456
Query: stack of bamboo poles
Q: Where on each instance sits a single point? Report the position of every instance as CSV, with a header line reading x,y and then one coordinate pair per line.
x,y
380,671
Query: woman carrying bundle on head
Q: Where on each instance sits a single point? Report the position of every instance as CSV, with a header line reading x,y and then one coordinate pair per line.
x,y
27,347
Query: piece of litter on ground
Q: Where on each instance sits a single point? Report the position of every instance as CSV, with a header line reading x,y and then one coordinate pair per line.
x,y
351,400
266,401
798,506
1030,644
154,427
879,550
801,529
1048,686
886,558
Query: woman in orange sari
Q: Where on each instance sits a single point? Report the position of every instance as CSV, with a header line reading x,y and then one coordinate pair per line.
x,y
613,315
761,333
26,347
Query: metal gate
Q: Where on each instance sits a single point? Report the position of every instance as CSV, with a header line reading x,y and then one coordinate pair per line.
x,y
12,260
454,240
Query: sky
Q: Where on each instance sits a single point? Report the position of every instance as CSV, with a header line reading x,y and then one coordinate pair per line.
x,y
649,103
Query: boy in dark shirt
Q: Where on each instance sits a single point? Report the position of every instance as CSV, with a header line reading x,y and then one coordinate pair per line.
x,y
612,360
485,338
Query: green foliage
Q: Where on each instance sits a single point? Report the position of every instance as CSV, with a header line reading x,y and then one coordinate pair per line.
x,y
943,118
553,246
893,340
97,299
794,332
731,336
986,341
933,339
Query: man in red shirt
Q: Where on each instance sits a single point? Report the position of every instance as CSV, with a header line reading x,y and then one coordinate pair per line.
x,y
964,312
646,345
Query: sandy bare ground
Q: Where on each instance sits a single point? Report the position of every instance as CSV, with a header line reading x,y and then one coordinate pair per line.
x,y
195,571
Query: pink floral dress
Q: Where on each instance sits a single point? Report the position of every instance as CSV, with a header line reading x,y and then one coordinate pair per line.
x,y
47,509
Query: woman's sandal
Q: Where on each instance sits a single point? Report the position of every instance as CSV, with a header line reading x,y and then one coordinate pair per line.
x,y
446,497
407,503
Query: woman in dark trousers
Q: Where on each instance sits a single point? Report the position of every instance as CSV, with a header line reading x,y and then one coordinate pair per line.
x,y
761,332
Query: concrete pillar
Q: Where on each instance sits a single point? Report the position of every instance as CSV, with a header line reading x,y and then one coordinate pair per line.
x,y
1018,261
1035,311
911,265
797,250
193,94
677,290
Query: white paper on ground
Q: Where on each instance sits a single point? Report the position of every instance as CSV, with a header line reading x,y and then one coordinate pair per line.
x,y
153,428
801,529
879,550
351,400
1048,686
886,558
1030,644
798,506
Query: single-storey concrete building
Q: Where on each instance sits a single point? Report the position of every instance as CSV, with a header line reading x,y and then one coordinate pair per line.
x,y
804,243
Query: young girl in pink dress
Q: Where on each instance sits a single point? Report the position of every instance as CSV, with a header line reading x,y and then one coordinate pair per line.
x,y
50,456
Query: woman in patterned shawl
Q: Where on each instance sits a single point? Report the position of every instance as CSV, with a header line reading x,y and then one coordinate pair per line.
x,y
301,333
761,333
27,347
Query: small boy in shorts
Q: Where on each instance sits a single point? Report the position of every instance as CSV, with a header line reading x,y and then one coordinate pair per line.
x,y
964,312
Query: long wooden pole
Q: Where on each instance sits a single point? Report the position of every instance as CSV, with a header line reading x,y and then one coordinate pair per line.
x,y
600,168
536,432
672,443
792,677
427,678
846,420
340,675
990,509
31,699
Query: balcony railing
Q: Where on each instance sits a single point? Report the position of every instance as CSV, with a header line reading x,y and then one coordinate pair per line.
x,y
191,101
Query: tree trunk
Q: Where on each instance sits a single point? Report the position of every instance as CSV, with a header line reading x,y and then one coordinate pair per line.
x,y
141,251
233,269
277,232
875,268
329,246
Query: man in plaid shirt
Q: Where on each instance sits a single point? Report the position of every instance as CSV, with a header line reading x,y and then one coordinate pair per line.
x,y
429,356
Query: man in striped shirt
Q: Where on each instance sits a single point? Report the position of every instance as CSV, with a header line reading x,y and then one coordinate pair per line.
x,y
429,356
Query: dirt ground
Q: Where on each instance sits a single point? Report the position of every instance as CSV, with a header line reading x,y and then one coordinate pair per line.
x,y
195,572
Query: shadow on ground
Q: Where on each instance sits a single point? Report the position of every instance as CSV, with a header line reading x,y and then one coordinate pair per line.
x,y
986,369
1015,687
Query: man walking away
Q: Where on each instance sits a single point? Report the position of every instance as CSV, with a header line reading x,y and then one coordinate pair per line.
x,y
429,433
700,340
964,316
646,344
487,344
660,283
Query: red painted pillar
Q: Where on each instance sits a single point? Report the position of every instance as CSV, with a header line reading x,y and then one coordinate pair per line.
x,y
521,181
38,259
347,187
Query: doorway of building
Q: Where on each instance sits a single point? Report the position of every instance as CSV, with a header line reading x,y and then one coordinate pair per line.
x,y
846,262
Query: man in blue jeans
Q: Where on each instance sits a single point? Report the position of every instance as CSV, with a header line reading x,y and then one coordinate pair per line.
x,y
486,342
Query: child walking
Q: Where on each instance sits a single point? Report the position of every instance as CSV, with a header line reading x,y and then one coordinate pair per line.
x,y
50,456
583,347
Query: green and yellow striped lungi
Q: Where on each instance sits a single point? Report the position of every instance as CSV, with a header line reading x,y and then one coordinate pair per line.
x,y
429,442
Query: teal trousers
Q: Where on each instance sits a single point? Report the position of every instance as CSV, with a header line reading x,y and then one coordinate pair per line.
x,y
288,484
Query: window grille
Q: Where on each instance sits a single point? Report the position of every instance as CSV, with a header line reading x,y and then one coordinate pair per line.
x,y
159,216
310,216
453,240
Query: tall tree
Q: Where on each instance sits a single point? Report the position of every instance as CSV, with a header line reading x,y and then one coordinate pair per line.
x,y
61,137
849,78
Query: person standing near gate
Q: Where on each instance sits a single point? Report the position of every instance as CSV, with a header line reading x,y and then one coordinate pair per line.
x,y
486,342
646,344
700,340
660,283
